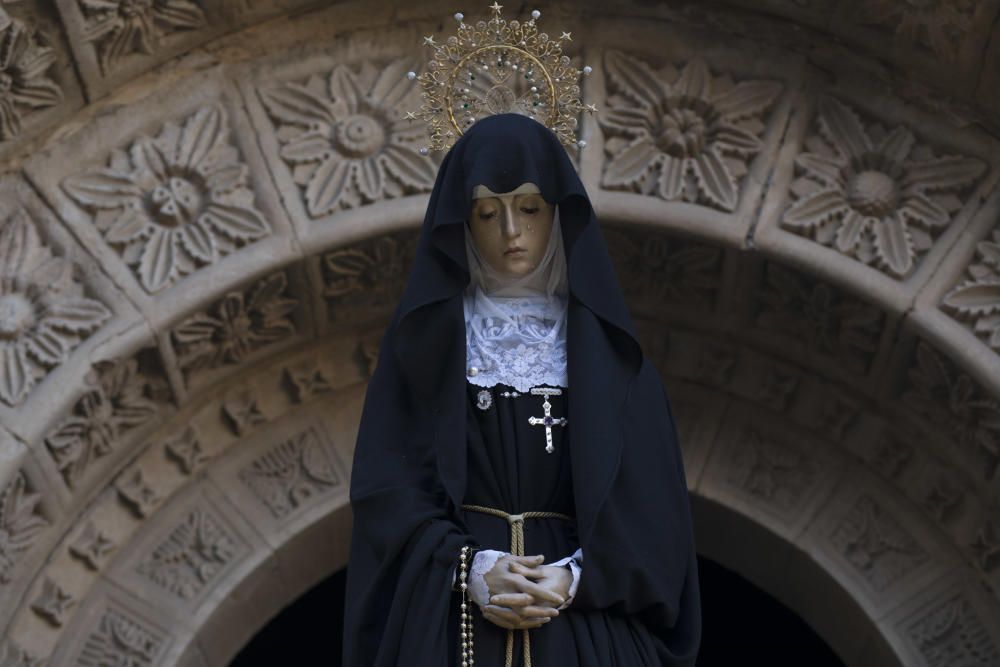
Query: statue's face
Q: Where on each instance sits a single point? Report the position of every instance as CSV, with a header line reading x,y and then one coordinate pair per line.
x,y
511,230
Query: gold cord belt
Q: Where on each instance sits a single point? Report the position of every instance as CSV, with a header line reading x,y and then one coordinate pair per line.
x,y
516,522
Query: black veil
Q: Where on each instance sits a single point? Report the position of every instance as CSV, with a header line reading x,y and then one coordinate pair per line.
x,y
408,476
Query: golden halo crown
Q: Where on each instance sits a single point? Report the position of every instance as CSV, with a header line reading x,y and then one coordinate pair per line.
x,y
499,66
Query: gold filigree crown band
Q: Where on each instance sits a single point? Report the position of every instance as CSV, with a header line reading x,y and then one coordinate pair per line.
x,y
499,66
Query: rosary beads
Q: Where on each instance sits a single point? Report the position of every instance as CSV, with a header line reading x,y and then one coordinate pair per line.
x,y
465,622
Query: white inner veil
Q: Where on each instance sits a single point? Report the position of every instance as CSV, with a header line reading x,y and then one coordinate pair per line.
x,y
515,326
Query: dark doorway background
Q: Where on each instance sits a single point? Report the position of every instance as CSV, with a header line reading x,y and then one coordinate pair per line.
x,y
742,625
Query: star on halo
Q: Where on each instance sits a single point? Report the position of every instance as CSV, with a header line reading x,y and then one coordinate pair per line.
x,y
568,36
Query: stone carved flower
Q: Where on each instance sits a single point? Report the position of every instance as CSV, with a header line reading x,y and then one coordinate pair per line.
x,y
237,325
978,297
123,27
345,136
372,273
947,397
687,140
118,403
21,521
776,471
819,317
44,314
877,196
175,202
23,84
665,270
940,24
191,556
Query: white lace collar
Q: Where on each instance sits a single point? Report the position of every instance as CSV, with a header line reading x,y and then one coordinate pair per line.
x,y
517,341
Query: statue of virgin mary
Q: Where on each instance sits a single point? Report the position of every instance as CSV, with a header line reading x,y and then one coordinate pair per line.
x,y
517,487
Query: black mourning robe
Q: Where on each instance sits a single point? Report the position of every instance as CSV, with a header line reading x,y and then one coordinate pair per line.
x,y
508,468
423,451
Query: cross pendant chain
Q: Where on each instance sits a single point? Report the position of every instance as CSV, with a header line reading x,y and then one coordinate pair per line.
x,y
548,421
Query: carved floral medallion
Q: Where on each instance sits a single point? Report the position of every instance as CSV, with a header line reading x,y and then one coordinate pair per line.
x,y
174,202
976,300
119,28
25,60
681,136
875,194
120,399
345,138
44,313
940,25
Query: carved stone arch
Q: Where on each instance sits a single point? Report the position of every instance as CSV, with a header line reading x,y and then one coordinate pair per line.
x,y
192,286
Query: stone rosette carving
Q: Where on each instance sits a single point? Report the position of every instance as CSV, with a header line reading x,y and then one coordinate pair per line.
x,y
976,300
291,473
876,545
25,59
778,473
21,522
681,136
368,274
952,633
662,269
121,399
120,28
876,194
191,556
344,137
947,397
938,26
822,318
44,310
242,322
173,202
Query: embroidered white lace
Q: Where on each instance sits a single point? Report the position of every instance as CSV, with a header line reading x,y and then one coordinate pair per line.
x,y
482,563
523,346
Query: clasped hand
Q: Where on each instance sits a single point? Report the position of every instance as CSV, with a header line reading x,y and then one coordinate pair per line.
x,y
524,593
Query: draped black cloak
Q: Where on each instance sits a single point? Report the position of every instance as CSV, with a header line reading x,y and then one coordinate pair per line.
x,y
409,475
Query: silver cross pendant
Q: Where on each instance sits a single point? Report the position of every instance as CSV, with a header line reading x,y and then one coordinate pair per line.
x,y
548,421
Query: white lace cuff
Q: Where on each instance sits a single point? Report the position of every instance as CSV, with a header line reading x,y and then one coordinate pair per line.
x,y
573,562
482,563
